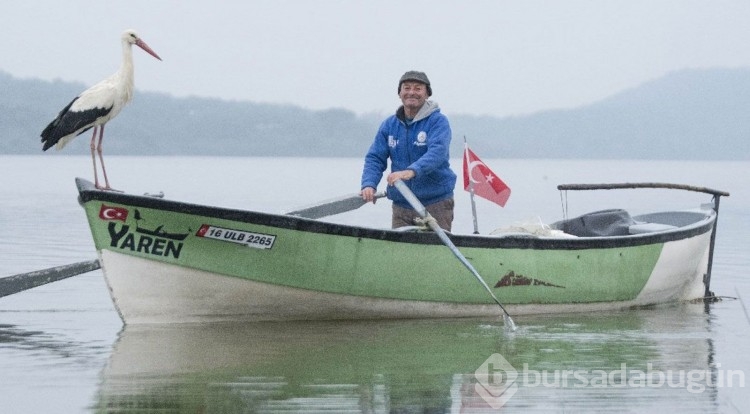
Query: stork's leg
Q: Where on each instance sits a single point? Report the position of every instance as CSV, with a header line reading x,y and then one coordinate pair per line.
x,y
101,159
93,156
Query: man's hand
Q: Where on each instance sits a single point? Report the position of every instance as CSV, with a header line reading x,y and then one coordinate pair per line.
x,y
368,194
401,175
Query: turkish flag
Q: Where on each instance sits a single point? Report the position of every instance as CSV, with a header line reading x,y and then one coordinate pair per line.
x,y
113,213
482,181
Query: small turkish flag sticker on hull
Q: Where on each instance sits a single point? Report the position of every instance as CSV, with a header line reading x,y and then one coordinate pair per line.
x,y
113,213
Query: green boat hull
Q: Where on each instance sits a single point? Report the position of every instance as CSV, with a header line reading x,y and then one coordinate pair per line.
x,y
167,261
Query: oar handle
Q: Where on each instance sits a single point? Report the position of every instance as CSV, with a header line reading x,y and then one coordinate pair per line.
x,y
411,198
333,206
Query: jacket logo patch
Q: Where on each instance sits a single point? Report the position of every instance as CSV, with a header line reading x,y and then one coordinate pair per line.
x,y
421,139
392,142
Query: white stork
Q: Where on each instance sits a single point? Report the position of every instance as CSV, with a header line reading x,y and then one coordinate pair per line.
x,y
96,106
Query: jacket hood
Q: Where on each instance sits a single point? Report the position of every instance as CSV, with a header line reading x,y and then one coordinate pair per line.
x,y
426,110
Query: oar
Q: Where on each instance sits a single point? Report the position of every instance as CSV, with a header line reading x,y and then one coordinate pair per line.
x,y
25,281
422,211
331,207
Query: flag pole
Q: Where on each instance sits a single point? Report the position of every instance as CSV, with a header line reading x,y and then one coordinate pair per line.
x,y
471,187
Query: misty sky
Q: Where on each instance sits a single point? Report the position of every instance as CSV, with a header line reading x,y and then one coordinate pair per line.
x,y
482,57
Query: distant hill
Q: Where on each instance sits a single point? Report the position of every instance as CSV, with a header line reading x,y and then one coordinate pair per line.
x,y
689,114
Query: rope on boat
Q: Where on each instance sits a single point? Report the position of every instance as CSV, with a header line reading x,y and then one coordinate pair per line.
x,y
424,223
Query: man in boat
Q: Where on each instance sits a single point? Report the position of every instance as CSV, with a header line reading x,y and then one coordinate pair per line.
x,y
417,140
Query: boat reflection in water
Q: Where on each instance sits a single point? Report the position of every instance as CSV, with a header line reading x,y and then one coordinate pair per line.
x,y
418,365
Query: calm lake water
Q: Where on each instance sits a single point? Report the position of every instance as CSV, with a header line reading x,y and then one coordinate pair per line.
x,y
63,348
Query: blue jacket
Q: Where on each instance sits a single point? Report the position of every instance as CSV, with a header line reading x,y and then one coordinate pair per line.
x,y
422,146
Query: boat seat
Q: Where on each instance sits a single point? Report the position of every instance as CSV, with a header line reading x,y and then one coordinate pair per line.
x,y
642,228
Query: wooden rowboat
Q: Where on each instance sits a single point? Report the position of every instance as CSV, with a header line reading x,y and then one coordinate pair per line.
x,y
167,261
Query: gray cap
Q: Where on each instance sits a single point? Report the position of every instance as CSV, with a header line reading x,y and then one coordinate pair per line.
x,y
415,76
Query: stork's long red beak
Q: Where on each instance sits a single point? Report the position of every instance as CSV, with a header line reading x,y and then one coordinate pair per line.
x,y
140,43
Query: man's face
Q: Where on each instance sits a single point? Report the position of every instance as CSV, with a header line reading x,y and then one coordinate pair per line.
x,y
413,94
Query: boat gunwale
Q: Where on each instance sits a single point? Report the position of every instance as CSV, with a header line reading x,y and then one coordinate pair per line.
x,y
87,192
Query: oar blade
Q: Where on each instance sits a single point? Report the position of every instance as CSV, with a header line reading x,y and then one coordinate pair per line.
x,y
422,211
25,281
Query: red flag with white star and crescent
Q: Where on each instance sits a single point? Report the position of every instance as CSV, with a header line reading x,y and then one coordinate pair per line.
x,y
485,183
113,213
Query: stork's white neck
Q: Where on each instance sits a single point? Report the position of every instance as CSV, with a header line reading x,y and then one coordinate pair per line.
x,y
126,71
